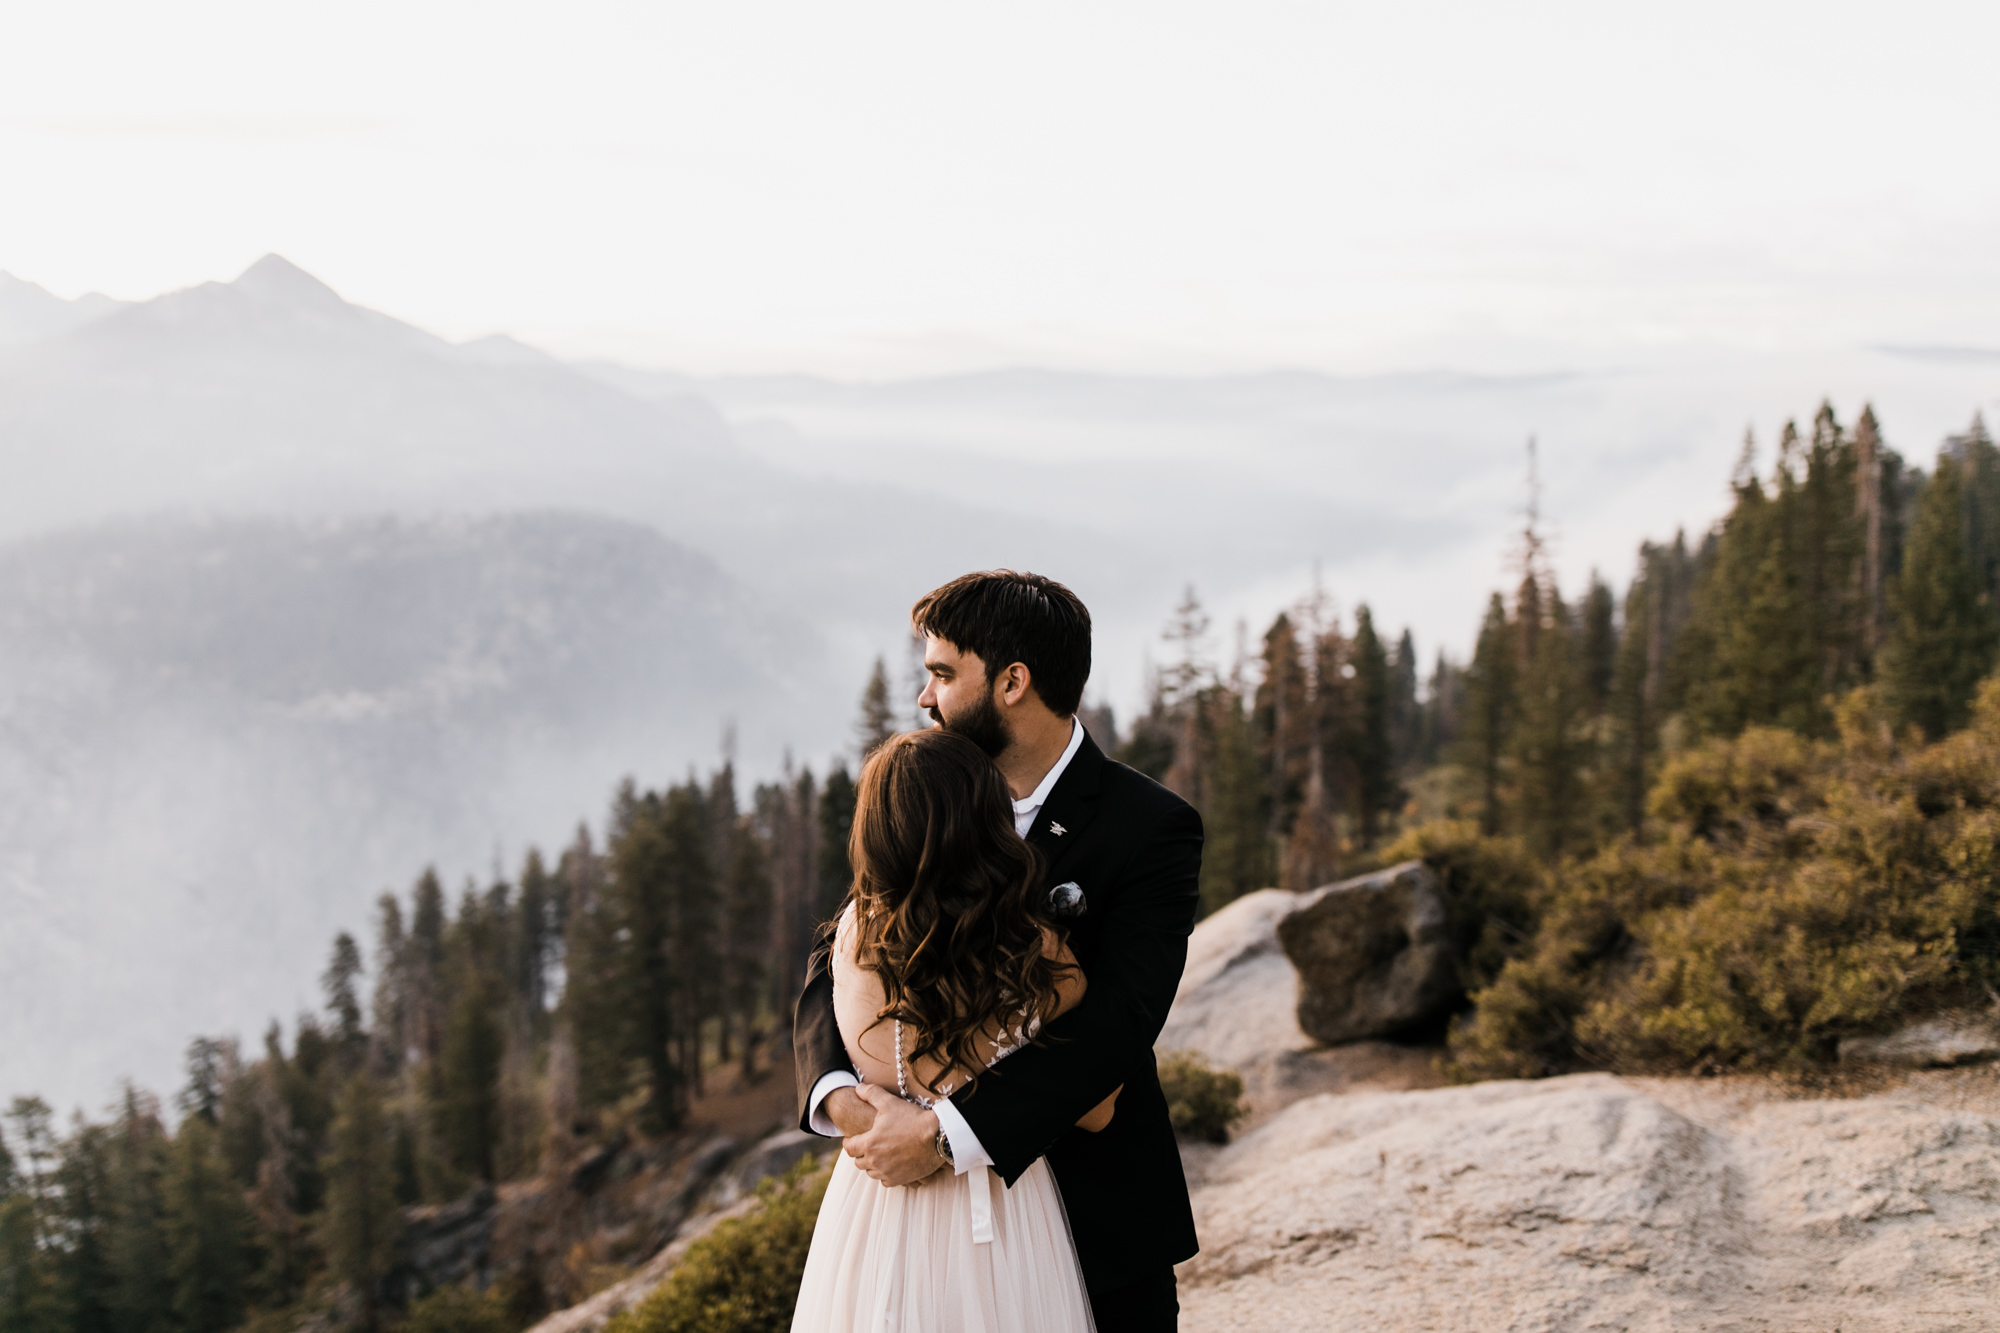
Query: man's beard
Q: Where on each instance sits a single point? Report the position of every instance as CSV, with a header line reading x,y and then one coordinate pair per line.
x,y
981,724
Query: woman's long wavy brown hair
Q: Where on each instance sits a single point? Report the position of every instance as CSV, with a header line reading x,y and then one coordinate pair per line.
x,y
947,903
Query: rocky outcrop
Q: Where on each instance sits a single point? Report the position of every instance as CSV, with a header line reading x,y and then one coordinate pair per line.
x,y
446,1244
1238,996
1375,955
1589,1202
732,1194
1937,1042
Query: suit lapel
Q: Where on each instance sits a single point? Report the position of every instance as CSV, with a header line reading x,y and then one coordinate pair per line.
x,y
1070,807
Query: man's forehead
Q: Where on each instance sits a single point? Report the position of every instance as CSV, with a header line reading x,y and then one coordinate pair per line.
x,y
944,652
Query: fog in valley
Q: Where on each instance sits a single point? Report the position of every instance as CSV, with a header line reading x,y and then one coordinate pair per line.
x,y
297,599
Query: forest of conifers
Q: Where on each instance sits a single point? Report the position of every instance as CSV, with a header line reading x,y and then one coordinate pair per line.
x,y
1746,808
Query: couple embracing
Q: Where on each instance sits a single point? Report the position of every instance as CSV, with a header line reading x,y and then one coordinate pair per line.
x,y
980,1025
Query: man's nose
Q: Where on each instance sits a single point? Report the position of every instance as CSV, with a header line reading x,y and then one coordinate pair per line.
x,y
928,699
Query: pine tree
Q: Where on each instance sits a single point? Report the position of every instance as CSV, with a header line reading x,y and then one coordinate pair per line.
x,y
1370,747
391,1004
360,1226
205,1232
1283,721
596,1014
206,1072
1406,719
535,943
424,967
1945,636
343,999
1549,749
136,1244
836,822
1979,473
1598,648
644,885
468,1081
747,928
695,932
28,1294
1236,856
83,1268
878,714
1487,725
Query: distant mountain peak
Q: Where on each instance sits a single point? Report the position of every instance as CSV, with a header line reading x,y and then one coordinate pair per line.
x,y
276,278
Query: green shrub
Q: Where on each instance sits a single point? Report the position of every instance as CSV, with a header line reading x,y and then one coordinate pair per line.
x,y
1202,1102
460,1310
1490,885
743,1277
1792,892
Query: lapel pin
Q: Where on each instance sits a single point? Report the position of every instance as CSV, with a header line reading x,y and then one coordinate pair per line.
x,y
1056,828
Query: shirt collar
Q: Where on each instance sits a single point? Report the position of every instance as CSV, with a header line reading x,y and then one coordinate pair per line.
x,y
1039,797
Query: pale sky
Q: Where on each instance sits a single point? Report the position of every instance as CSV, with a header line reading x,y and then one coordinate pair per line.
x,y
882,189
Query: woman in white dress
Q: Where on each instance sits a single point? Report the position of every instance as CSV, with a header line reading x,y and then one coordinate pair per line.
x,y
944,960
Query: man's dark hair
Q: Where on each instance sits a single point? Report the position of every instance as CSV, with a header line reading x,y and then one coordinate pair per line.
x,y
1003,617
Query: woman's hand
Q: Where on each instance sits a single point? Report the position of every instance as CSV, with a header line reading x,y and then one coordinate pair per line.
x,y
1100,1115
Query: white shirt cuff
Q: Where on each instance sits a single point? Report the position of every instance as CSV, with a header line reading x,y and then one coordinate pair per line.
x,y
966,1149
816,1118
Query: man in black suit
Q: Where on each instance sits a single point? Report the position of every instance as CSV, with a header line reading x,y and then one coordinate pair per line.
x,y
1007,656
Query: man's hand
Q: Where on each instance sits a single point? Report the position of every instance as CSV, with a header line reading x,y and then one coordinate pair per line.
x,y
898,1148
849,1114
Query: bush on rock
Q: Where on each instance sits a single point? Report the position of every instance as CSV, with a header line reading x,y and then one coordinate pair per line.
x,y
1788,893
1202,1102
743,1277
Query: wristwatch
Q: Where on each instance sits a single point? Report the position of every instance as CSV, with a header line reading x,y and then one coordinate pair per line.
x,y
942,1146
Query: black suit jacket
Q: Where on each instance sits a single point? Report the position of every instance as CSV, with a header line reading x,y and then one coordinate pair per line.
x,y
1134,848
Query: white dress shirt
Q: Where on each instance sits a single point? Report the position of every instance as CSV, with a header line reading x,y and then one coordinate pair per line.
x,y
966,1149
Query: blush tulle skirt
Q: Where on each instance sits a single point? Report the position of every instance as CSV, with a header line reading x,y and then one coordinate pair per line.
x,y
904,1260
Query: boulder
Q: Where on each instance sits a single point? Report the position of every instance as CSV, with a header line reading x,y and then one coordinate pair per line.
x,y
1238,998
1375,955
1937,1042
771,1156
1590,1202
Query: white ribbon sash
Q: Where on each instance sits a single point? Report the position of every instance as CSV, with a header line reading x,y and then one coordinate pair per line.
x,y
981,1181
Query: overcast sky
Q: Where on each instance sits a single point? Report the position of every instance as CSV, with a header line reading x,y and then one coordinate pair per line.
x,y
881,189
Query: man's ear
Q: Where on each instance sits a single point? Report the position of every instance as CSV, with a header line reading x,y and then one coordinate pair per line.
x,y
1014,684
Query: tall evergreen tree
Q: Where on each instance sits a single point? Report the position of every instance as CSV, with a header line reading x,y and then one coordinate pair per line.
x,y
1370,746
391,1004
836,821
360,1226
206,1230
1945,635
83,1269
536,942
28,1295
747,935
343,999
1486,727
136,1243
1979,473
468,1081
1284,726
1598,646
423,969
1549,748
1406,720
1236,856
878,712
206,1071
597,1016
